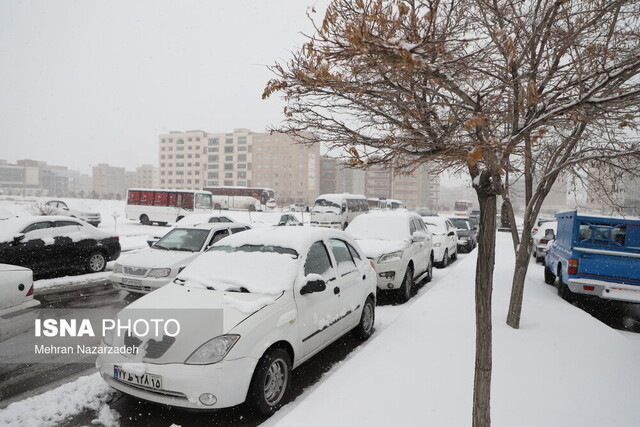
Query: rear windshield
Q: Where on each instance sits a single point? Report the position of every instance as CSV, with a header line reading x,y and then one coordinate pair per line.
x,y
599,234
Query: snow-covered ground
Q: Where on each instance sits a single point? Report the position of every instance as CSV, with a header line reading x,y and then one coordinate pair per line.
x,y
562,368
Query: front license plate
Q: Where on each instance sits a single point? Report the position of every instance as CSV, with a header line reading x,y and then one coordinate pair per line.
x,y
144,380
136,282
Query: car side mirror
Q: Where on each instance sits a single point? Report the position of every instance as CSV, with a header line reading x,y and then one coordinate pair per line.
x,y
314,285
18,237
451,233
475,228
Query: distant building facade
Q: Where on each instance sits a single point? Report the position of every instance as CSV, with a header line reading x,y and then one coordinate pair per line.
x,y
109,181
197,159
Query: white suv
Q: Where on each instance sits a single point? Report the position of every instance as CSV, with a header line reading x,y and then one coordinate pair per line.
x,y
399,245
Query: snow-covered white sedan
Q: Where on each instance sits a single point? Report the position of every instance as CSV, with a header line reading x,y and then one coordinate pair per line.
x,y
154,267
75,209
16,289
400,246
282,294
445,239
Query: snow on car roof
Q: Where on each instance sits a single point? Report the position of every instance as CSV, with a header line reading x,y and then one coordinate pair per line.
x,y
199,218
382,225
338,198
297,238
212,225
11,227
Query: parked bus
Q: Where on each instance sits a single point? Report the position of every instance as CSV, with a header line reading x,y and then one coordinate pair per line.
x,y
462,208
384,203
249,198
337,210
162,206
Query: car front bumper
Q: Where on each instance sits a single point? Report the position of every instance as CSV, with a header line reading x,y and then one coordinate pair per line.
x,y
390,274
182,384
605,290
142,285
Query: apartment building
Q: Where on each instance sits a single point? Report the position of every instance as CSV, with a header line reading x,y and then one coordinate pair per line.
x,y
145,176
197,159
109,181
419,189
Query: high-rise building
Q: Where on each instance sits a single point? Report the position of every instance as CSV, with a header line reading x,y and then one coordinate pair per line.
x,y
145,176
198,159
418,189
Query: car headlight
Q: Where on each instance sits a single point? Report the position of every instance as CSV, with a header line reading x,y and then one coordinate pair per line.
x,y
159,272
213,350
117,268
393,256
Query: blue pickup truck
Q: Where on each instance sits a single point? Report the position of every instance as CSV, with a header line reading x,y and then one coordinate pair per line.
x,y
595,255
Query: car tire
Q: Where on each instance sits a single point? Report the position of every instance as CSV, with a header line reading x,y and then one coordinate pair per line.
x,y
96,262
454,256
429,270
217,206
563,290
407,285
445,260
365,328
270,382
539,259
162,223
549,277
144,220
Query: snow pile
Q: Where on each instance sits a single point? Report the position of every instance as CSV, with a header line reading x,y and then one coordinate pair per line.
x,y
562,368
107,417
55,406
83,279
248,307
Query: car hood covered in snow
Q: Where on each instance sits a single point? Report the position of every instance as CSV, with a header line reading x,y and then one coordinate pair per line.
x,y
374,248
202,314
158,258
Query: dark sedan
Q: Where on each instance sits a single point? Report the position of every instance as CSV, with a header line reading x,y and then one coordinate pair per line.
x,y
467,233
52,245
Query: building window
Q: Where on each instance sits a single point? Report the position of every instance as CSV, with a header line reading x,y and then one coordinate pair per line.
x,y
228,175
242,157
212,175
179,156
242,148
228,158
213,158
242,175
162,148
213,166
180,141
228,141
181,148
214,141
180,165
162,181
170,172
197,164
190,139
214,149
242,183
213,182
228,149
228,183
242,166
228,166
179,172
242,140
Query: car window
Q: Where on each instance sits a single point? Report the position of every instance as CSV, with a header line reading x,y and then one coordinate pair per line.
x,y
36,226
603,234
238,229
62,205
342,255
66,224
318,261
353,252
218,235
183,240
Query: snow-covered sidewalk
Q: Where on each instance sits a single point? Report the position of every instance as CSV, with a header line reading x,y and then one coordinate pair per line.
x,y
562,368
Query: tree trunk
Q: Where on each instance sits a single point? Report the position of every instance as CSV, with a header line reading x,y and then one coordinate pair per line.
x,y
484,288
519,274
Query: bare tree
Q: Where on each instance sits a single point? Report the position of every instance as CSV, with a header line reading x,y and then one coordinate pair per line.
x,y
463,84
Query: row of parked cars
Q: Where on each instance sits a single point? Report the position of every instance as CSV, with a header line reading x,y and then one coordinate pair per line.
x,y
286,293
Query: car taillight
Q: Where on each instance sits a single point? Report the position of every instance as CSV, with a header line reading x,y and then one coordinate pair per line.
x,y
30,291
372,265
545,241
573,266
117,238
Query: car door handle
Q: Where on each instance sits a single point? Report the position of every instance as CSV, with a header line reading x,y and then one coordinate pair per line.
x,y
336,290
364,277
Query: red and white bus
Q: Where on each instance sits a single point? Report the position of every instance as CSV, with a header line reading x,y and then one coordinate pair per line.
x,y
249,198
462,208
162,206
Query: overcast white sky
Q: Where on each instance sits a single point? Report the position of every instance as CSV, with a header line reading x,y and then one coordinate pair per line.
x,y
86,82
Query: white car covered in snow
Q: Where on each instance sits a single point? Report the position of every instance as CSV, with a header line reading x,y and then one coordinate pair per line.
x,y
16,289
400,246
282,295
156,266
445,239
75,209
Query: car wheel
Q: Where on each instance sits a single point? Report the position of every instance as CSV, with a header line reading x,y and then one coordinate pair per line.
x,y
217,206
365,328
162,223
270,382
454,256
549,277
539,259
563,289
144,220
407,285
96,262
429,269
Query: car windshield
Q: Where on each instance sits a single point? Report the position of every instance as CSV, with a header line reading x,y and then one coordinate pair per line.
x,y
256,248
326,206
181,239
204,201
460,223
435,229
